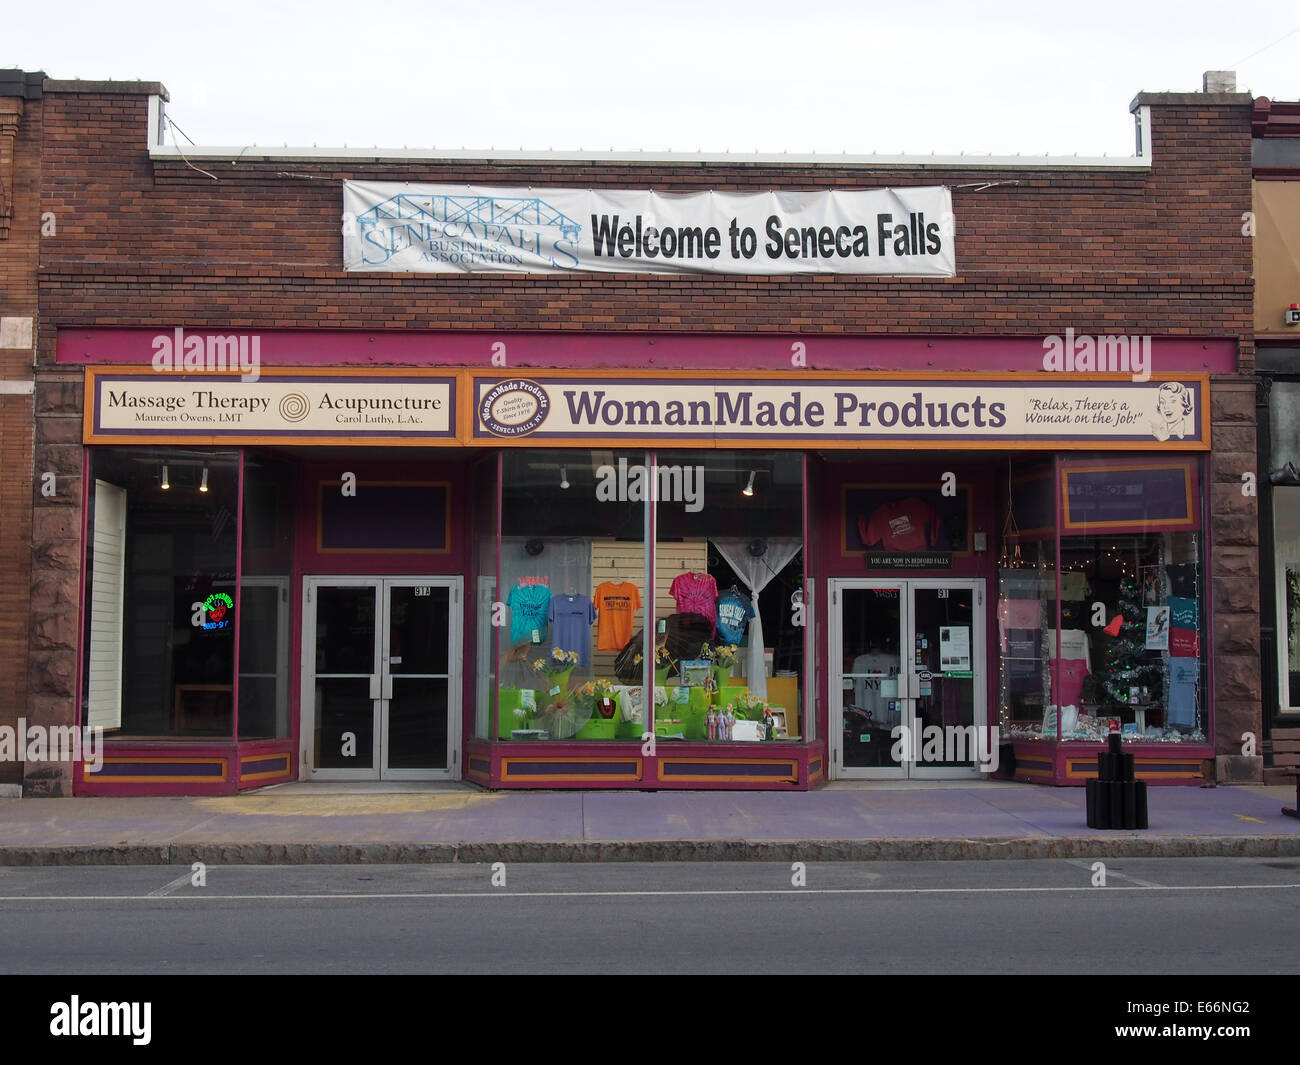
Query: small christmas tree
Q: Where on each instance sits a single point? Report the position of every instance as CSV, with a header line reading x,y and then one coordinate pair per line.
x,y
1128,662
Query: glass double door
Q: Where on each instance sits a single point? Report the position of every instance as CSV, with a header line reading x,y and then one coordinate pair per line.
x,y
907,678
381,678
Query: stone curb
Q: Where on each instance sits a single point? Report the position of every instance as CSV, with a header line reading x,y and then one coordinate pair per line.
x,y
723,850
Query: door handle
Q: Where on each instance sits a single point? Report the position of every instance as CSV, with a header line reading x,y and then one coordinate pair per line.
x,y
376,686
388,685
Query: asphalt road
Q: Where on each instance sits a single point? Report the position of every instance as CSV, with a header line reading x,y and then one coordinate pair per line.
x,y
1186,916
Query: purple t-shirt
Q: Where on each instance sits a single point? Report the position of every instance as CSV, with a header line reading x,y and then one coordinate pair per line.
x,y
571,617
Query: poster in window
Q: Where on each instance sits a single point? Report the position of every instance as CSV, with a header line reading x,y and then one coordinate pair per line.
x,y
905,519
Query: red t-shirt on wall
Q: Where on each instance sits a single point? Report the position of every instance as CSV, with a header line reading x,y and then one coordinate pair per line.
x,y
909,525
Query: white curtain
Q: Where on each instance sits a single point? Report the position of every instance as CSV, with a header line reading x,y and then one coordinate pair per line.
x,y
757,573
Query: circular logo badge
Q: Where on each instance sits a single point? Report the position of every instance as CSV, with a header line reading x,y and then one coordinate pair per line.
x,y
514,408
294,407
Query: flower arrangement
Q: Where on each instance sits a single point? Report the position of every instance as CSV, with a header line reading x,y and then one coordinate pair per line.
x,y
597,689
748,707
723,655
559,663
663,659
601,694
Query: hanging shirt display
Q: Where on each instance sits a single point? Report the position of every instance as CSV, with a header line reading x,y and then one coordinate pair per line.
x,y
616,604
909,525
696,593
1070,677
1074,586
571,617
734,612
529,607
1184,676
875,694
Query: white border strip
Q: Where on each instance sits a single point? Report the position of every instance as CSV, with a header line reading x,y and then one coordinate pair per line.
x,y
255,153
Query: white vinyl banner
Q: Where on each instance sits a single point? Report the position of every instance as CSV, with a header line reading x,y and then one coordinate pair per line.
x,y
463,229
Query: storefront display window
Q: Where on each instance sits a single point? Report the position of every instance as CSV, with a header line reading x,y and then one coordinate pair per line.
x,y
1286,541
572,594
720,634
161,550
264,609
1121,648
729,586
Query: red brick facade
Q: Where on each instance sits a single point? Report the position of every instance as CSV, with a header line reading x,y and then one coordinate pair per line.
x,y
159,243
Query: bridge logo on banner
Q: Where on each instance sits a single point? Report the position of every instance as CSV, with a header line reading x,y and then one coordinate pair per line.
x,y
461,229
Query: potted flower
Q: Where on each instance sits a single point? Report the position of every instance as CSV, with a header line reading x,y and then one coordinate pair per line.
x,y
603,722
556,668
561,717
723,656
748,707
663,663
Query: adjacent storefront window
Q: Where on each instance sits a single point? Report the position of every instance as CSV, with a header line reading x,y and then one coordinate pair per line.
x,y
264,608
1286,544
1120,649
160,615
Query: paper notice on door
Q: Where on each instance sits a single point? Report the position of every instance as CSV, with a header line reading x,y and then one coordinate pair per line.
x,y
889,687
954,647
395,660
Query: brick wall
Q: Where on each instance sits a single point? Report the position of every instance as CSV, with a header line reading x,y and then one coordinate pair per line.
x,y
1104,251
20,178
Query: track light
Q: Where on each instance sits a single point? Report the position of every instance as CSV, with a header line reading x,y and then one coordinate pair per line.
x,y
166,484
564,477
203,484
748,490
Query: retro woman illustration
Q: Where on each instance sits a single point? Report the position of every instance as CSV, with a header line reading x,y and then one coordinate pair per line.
x,y
1173,408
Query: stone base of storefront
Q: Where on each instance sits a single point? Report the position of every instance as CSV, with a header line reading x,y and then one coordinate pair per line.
x,y
688,766
1072,764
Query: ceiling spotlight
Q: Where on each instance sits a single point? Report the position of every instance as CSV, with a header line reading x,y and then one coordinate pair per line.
x,y
203,484
748,490
166,484
564,477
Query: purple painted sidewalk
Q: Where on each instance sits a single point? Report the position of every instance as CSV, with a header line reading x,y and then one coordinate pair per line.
x,y
305,822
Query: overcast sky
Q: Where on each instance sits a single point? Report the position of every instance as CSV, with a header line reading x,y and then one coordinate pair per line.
x,y
918,76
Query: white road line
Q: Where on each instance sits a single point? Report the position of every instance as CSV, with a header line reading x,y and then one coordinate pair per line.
x,y
644,894
167,889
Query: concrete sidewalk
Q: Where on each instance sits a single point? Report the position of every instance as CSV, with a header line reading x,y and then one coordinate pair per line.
x,y
321,823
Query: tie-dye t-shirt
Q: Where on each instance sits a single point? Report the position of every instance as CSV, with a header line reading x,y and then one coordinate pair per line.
x,y
696,593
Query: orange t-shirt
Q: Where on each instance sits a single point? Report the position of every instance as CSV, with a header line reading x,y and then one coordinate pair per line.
x,y
615,605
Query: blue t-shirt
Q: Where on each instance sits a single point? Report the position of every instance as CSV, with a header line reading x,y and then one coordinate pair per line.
x,y
529,605
734,612
571,617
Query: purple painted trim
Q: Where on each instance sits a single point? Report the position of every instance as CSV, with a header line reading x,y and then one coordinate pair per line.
x,y
494,700
650,637
613,768
77,711
670,768
590,350
239,613
264,764
181,767
1056,658
807,725
1207,644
